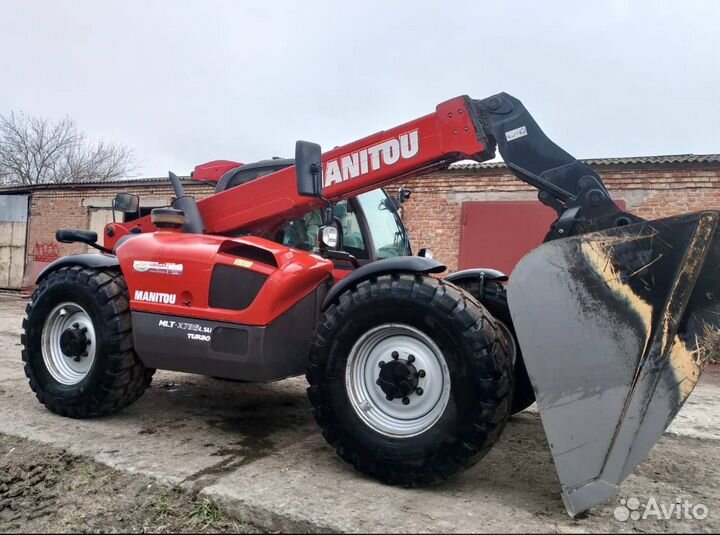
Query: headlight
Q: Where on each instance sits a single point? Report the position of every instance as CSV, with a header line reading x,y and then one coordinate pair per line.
x,y
329,236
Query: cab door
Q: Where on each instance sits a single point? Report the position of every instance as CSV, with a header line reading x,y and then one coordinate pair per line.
x,y
371,229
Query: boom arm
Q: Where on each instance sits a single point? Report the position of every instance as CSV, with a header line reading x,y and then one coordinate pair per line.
x,y
461,128
413,148
572,188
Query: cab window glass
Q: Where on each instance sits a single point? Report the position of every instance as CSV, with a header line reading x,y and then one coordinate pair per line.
x,y
302,233
387,233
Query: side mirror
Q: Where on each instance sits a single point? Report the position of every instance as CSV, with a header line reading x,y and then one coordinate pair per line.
x,y
308,168
403,195
126,203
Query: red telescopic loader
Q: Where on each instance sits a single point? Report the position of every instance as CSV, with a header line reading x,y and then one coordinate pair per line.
x,y
303,266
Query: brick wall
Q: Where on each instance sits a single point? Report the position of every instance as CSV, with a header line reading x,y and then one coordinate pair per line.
x,y
432,214
69,207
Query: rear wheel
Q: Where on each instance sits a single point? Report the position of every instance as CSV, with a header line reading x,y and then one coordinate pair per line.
x,y
78,348
409,379
492,295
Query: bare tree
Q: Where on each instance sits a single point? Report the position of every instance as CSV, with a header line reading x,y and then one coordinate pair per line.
x,y
34,150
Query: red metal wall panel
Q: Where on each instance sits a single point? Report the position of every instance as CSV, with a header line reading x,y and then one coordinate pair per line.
x,y
497,234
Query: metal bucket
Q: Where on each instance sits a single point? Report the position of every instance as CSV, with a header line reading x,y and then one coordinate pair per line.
x,y
616,328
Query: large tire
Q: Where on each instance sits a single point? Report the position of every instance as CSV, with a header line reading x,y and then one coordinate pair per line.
x,y
467,419
492,295
111,376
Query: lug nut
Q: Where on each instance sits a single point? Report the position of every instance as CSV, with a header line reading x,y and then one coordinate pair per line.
x,y
76,325
406,401
419,391
421,373
395,355
377,382
411,358
381,363
389,397
84,329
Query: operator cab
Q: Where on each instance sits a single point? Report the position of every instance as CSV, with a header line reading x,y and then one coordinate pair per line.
x,y
370,223
371,228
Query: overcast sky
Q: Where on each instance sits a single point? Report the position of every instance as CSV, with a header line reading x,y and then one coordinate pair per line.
x,y
185,82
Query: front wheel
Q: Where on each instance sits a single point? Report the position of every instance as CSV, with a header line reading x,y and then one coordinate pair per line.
x,y
78,346
410,380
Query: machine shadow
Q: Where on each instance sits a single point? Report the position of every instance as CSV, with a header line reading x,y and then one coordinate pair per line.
x,y
270,418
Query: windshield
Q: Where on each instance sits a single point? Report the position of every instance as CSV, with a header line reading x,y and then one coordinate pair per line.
x,y
386,230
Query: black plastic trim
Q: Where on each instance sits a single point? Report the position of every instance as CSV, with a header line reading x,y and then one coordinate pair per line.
x,y
234,288
85,260
249,252
486,273
251,171
399,264
230,350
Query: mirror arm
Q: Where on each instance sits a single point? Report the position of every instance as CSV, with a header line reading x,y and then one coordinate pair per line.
x,y
100,248
338,223
342,255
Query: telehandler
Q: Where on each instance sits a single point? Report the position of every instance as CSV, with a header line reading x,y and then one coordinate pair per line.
x,y
410,377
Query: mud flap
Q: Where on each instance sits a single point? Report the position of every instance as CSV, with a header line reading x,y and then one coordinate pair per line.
x,y
616,328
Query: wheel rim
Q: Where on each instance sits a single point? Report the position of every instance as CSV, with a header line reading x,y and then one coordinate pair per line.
x,y
407,415
64,356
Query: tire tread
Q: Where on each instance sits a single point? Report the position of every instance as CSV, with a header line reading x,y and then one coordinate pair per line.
x,y
488,357
124,377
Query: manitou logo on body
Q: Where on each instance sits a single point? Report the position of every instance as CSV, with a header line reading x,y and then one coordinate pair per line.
x,y
361,162
155,297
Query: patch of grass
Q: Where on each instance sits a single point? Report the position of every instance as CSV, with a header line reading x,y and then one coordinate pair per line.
x,y
206,513
162,507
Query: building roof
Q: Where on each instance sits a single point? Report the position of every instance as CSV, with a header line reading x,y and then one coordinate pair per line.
x,y
129,182
667,160
670,159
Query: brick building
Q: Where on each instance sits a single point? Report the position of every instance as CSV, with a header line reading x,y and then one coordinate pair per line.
x,y
469,214
474,215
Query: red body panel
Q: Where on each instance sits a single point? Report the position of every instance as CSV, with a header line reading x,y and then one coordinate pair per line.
x,y
297,274
212,171
413,148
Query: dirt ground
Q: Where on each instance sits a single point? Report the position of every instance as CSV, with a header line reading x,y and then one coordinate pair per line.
x,y
44,489
192,444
